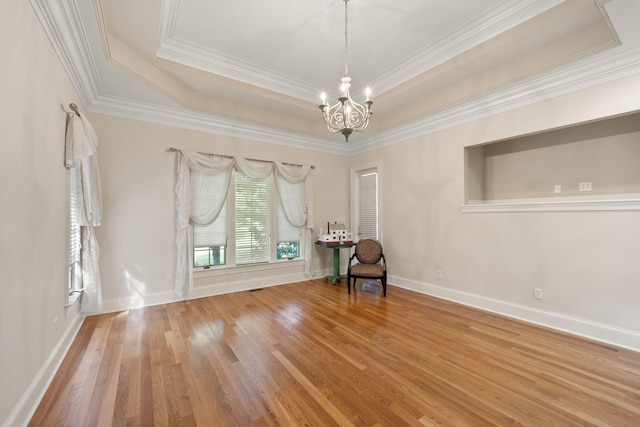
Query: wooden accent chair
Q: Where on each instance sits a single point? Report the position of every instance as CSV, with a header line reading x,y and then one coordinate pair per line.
x,y
371,264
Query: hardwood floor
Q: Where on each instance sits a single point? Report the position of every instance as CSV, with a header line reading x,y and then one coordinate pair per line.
x,y
310,354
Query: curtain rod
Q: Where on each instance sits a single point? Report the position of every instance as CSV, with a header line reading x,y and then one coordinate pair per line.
x,y
74,108
172,149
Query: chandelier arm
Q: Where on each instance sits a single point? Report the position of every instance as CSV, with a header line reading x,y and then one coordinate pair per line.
x,y
334,118
336,121
356,116
361,111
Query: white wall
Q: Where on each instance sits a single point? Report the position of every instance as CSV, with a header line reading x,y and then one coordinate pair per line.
x,y
33,212
137,236
585,262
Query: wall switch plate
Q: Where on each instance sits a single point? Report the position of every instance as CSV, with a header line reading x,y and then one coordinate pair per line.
x,y
537,293
438,274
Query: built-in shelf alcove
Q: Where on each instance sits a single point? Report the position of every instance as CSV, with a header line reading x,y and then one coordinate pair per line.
x,y
589,166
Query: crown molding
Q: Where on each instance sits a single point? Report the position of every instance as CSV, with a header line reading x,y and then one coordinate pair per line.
x,y
208,123
61,21
496,21
614,64
194,56
191,55
501,18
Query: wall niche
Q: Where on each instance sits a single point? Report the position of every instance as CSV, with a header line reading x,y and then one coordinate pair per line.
x,y
590,166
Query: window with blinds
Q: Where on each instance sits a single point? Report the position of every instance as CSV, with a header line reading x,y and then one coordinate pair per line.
x,y
252,211
368,204
288,237
75,233
210,241
252,220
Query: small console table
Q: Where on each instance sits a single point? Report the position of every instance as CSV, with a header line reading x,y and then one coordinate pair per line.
x,y
336,277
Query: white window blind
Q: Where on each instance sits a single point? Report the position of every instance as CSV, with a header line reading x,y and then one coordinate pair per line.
x,y
368,204
75,233
252,220
214,234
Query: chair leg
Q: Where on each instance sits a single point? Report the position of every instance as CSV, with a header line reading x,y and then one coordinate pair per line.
x,y
349,284
384,287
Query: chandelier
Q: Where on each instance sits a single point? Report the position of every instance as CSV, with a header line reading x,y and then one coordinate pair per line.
x,y
346,115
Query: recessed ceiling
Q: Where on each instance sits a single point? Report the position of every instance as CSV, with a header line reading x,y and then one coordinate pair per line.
x,y
262,65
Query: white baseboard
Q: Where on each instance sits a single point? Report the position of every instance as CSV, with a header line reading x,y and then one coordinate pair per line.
x,y
573,325
128,303
246,285
28,403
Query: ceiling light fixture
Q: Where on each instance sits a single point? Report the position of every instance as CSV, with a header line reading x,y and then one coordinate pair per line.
x,y
346,115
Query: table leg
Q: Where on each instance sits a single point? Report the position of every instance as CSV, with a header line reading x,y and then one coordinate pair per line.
x,y
336,277
336,265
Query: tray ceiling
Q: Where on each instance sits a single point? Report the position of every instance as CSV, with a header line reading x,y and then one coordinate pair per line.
x,y
255,69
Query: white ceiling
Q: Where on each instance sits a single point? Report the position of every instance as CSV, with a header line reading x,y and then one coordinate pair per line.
x,y
255,69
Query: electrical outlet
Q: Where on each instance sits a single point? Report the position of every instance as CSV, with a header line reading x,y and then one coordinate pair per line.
x,y
557,188
439,274
537,293
245,276
167,278
584,186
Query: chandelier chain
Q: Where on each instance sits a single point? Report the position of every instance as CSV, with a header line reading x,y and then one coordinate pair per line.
x,y
346,40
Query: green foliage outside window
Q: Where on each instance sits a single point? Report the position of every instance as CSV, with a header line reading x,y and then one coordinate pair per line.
x,y
288,250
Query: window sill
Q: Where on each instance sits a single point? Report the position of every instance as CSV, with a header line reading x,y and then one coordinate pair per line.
x,y
73,298
222,270
553,206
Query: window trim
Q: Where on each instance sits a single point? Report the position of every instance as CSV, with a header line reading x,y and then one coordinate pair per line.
x,y
222,270
230,267
356,171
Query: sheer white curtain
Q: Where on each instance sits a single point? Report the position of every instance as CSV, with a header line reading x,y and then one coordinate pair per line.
x,y
201,190
294,192
199,201
81,155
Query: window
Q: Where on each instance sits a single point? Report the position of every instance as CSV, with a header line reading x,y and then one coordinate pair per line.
x,y
252,220
75,234
242,235
288,246
368,204
210,242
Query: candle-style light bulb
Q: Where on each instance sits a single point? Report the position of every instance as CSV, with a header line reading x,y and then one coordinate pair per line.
x,y
324,98
368,92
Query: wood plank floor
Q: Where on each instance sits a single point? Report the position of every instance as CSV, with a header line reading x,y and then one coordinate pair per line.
x,y
309,354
